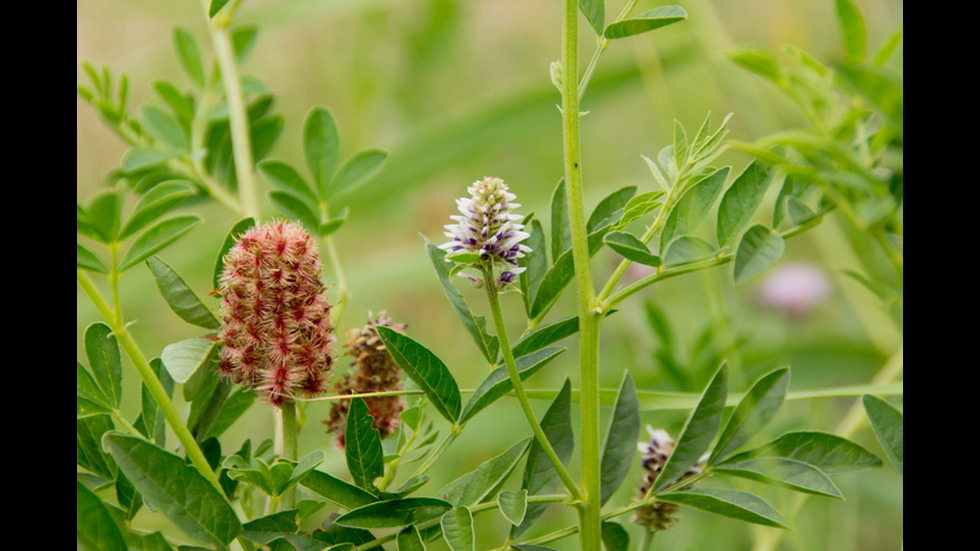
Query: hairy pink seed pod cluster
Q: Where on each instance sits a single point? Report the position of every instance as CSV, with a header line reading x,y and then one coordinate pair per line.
x,y
373,370
275,319
660,515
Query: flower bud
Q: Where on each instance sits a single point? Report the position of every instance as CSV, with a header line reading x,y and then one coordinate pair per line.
x,y
373,370
275,319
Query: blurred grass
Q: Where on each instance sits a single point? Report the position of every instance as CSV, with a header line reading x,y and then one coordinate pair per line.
x,y
456,91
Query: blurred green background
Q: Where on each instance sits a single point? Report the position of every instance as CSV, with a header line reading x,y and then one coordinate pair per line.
x,y
456,91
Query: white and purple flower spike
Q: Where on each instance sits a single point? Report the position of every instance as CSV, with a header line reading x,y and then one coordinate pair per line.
x,y
487,234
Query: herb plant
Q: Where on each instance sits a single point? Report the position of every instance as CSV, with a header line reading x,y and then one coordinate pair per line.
x,y
583,466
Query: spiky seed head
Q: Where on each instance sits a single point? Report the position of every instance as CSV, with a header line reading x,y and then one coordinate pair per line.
x,y
276,330
487,233
373,370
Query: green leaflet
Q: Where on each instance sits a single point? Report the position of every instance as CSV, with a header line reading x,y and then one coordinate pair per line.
x,y
758,249
730,503
287,178
282,526
536,263
163,127
475,486
156,238
631,248
685,249
159,200
620,443
513,505
830,453
88,439
297,208
426,370
101,216
692,208
215,6
409,540
362,446
104,361
150,415
189,55
561,239
360,167
855,34
183,358
176,489
741,200
545,335
336,491
90,400
889,426
457,529
87,260
95,530
321,147
394,513
788,473
758,61
639,206
595,12
608,210
615,537
475,325
698,432
660,16
180,297
757,408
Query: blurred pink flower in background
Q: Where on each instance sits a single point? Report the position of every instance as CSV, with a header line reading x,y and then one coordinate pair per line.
x,y
794,289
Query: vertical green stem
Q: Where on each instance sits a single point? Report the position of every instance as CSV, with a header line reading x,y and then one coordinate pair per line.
x,y
241,139
290,447
647,540
518,385
337,310
590,512
150,379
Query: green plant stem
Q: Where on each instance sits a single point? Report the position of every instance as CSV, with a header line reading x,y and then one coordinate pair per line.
x,y
241,140
337,310
646,540
150,379
590,511
518,385
290,447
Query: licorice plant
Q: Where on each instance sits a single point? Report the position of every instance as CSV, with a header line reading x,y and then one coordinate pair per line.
x,y
272,339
